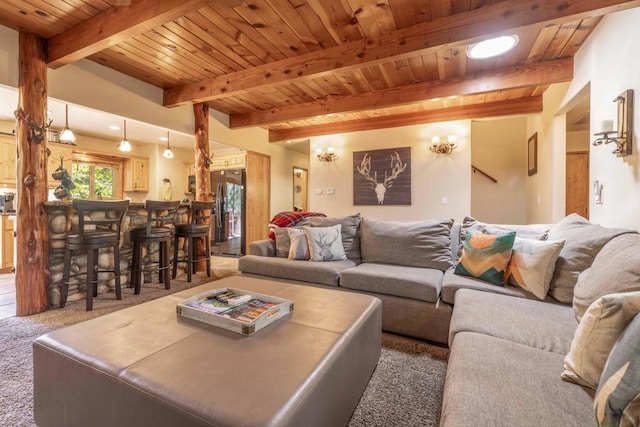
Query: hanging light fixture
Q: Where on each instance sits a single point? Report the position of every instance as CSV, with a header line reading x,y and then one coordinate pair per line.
x,y
124,144
66,136
168,154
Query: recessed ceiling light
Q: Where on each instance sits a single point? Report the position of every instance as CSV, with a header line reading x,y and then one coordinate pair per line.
x,y
114,127
492,47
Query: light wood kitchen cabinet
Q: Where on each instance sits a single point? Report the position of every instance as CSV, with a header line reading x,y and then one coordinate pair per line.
x,y
189,170
7,160
6,245
232,161
136,174
57,151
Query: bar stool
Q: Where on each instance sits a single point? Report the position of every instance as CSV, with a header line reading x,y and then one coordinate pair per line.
x,y
197,228
98,228
159,229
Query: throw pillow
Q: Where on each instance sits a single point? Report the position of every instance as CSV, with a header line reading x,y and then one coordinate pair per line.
x,y
532,263
583,242
325,243
615,269
409,243
350,231
299,248
598,330
617,401
282,241
486,256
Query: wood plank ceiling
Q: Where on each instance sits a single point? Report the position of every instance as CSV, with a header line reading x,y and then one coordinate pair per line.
x,y
309,67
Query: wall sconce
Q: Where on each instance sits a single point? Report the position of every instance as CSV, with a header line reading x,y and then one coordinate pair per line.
x,y
444,145
326,156
623,136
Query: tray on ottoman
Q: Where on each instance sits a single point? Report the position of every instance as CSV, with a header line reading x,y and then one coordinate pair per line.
x,y
236,310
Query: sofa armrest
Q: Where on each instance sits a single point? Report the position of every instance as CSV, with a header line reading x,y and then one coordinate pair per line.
x,y
266,247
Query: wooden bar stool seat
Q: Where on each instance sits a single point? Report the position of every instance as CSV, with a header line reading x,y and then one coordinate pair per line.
x,y
98,228
197,228
159,229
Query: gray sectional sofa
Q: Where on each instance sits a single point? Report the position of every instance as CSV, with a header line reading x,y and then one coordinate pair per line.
x,y
505,343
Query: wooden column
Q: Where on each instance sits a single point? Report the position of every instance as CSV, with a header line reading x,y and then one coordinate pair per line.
x,y
203,174
32,228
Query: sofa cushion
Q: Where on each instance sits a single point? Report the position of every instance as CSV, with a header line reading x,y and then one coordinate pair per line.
x,y
486,256
598,330
495,382
325,243
325,273
451,282
299,248
545,326
583,242
410,243
409,282
525,231
617,400
532,264
615,269
350,231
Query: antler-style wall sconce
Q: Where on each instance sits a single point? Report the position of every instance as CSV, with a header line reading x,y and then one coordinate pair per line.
x,y
623,135
443,145
326,156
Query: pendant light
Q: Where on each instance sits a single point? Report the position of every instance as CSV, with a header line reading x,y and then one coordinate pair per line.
x,y
168,154
66,136
124,144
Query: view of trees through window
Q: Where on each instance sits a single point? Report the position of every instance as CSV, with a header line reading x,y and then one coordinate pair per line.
x,y
93,181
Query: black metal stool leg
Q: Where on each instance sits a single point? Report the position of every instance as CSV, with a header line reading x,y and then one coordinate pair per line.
x,y
64,286
207,254
116,270
90,279
176,240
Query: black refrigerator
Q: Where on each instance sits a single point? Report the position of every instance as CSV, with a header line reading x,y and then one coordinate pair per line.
x,y
228,223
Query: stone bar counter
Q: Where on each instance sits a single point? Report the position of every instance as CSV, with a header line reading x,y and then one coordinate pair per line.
x,y
63,220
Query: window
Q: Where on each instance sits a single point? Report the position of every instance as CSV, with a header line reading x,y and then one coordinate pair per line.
x,y
96,177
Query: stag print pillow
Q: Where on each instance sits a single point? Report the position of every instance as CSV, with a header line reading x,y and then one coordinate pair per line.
x,y
325,243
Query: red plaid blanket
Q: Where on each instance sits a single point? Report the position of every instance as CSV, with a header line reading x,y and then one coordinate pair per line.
x,y
289,219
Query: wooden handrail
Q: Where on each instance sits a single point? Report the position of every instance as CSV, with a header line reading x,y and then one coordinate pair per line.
x,y
475,169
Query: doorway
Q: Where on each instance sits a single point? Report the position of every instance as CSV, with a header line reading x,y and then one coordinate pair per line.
x,y
577,158
300,189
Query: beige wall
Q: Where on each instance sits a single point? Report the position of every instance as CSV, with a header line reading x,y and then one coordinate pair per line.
x,y
546,189
432,176
614,41
91,85
578,141
499,149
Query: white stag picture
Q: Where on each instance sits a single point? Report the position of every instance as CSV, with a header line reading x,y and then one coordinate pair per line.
x,y
382,177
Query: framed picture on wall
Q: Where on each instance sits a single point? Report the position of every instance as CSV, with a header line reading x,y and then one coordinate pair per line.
x,y
382,177
532,154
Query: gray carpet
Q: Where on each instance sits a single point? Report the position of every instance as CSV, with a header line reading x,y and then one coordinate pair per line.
x,y
405,389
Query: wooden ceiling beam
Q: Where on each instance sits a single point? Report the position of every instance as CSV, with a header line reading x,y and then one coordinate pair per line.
x,y
419,39
527,105
113,26
543,73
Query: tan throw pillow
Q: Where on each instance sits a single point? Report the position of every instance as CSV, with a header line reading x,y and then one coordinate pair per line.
x,y
325,243
299,248
532,263
597,332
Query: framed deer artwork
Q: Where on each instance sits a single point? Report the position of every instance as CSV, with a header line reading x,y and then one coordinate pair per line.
x,y
382,177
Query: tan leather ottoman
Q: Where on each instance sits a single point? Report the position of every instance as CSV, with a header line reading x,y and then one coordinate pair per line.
x,y
144,366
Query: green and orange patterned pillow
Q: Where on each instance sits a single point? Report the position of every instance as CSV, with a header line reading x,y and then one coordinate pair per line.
x,y
486,256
